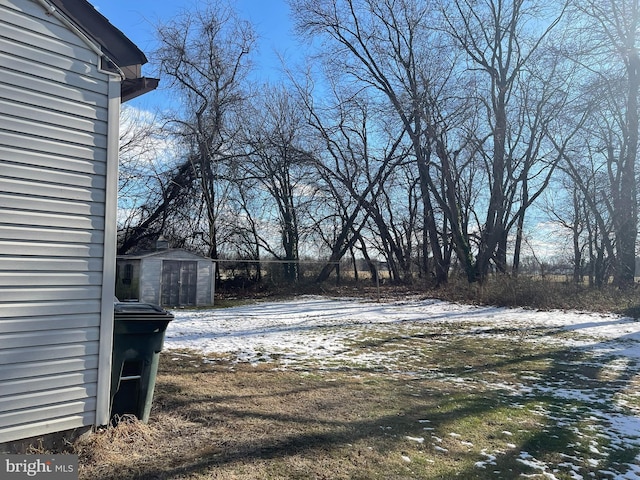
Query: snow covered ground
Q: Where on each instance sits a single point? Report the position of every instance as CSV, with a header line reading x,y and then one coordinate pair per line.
x,y
321,330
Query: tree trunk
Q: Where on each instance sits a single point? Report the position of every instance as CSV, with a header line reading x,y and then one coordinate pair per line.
x,y
626,214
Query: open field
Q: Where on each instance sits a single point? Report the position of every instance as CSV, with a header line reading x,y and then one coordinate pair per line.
x,y
319,388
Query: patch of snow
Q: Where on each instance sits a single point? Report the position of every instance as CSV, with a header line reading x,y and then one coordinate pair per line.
x,y
415,439
526,459
490,460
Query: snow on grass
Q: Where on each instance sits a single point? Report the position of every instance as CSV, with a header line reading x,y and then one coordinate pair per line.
x,y
415,439
331,333
490,459
526,459
320,327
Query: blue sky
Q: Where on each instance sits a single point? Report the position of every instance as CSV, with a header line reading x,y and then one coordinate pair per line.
x,y
137,20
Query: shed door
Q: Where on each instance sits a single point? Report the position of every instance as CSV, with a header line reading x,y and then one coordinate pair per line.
x,y
179,281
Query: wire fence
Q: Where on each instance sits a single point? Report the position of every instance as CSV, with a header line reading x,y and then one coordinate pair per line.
x,y
236,274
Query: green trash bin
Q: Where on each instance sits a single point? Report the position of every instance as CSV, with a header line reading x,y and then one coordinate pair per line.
x,y
138,336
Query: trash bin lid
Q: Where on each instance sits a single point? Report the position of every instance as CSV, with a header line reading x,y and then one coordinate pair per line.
x,y
141,312
140,319
135,307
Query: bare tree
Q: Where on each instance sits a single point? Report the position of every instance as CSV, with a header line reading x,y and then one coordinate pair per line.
x,y
611,29
386,46
458,120
353,166
500,44
204,55
279,165
154,181
395,216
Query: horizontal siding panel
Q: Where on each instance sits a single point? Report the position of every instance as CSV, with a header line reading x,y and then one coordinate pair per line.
x,y
51,234
49,103
28,355
57,279
20,188
15,55
35,309
43,220
66,91
41,204
16,140
50,117
24,156
39,399
30,324
32,17
53,337
49,249
44,264
25,370
45,413
51,176
49,425
42,294
40,63
86,90
24,403
23,392
32,127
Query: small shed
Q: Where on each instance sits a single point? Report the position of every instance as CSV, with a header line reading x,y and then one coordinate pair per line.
x,y
64,71
168,277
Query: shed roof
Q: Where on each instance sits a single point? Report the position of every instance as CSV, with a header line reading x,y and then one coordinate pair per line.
x,y
115,44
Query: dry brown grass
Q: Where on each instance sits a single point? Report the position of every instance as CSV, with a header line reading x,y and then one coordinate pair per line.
x,y
214,422
115,448
431,419
551,292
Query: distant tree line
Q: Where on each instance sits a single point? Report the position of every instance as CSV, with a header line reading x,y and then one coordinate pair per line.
x,y
430,135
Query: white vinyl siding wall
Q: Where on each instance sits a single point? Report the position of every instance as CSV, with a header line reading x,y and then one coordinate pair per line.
x,y
53,167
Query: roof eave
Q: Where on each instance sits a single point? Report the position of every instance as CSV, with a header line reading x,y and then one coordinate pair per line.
x,y
115,45
132,88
